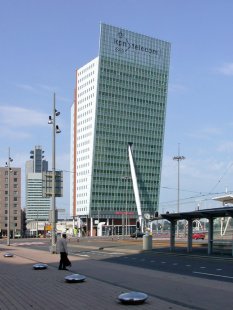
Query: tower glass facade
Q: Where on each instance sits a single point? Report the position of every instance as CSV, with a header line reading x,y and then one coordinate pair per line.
x,y
129,106
37,207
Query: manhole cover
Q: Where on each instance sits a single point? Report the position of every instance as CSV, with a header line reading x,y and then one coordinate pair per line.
x,y
8,255
133,298
74,278
40,266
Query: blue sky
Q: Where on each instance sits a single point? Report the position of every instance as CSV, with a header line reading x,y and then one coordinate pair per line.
x,y
44,42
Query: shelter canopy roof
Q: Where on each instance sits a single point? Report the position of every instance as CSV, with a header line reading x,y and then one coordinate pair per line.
x,y
198,214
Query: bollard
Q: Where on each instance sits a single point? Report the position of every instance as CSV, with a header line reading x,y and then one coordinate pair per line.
x,y
133,298
147,242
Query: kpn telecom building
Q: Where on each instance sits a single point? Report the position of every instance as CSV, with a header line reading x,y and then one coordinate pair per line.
x,y
117,131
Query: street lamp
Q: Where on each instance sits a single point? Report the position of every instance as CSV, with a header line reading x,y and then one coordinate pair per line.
x,y
8,203
178,158
52,121
126,178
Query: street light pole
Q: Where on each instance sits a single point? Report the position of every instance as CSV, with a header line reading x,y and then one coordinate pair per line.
x,y
178,158
8,203
126,178
52,120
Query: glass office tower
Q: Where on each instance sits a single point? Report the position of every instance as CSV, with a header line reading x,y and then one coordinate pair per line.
x,y
120,105
37,206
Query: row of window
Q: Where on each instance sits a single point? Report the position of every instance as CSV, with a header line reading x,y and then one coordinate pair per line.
x,y
85,113
120,68
6,186
80,101
86,91
86,84
15,205
85,128
15,218
15,225
89,67
87,76
15,180
14,211
16,193
145,76
15,198
15,172
84,121
83,107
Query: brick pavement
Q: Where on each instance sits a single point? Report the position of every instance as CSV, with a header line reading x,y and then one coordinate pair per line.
x,y
24,288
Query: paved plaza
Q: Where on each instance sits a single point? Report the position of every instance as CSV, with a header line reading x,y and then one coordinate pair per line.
x,y
24,288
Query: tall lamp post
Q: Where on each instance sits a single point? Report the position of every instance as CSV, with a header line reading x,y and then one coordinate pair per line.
x,y
126,179
178,158
8,203
52,120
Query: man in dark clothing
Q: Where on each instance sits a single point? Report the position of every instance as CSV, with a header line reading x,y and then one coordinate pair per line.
x,y
62,249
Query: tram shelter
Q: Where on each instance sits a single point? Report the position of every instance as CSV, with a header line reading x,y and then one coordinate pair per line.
x,y
210,214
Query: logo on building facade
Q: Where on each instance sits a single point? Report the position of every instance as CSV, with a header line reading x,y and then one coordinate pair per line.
x,y
123,45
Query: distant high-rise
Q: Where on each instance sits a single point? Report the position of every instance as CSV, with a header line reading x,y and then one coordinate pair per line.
x,y
37,207
117,127
37,163
15,200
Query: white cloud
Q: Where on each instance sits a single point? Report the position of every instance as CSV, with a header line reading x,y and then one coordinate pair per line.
x,y
26,87
50,89
11,133
200,180
226,147
205,133
176,87
226,69
37,88
14,116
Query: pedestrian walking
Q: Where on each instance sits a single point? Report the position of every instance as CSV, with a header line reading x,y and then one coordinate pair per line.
x,y
62,249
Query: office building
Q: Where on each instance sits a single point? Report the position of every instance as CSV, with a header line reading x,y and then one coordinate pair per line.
x,y
117,128
37,207
37,163
14,196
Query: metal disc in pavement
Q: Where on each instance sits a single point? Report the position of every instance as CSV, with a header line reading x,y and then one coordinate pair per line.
x,y
8,255
75,278
40,266
132,298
